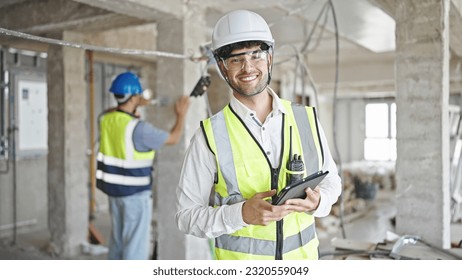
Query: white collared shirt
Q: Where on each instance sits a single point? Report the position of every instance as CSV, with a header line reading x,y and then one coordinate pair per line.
x,y
195,216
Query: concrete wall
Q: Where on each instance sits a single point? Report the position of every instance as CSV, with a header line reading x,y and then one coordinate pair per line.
x,y
174,79
422,71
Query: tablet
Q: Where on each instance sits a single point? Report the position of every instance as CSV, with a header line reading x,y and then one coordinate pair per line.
x,y
297,189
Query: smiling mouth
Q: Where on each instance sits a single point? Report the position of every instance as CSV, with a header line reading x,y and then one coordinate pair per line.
x,y
248,78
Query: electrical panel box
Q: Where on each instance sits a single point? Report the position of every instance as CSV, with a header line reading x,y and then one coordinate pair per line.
x,y
32,117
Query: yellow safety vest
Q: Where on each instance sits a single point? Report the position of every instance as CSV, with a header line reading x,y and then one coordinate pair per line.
x,y
121,170
244,170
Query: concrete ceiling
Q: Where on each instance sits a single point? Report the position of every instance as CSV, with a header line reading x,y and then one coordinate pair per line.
x,y
365,27
360,24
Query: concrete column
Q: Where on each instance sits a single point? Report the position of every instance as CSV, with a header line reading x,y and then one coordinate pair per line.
x,y
67,143
422,75
176,77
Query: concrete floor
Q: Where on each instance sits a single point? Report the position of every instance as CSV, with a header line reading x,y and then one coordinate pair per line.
x,y
35,245
370,226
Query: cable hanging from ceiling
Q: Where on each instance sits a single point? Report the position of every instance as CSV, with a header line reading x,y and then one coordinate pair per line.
x,y
93,47
301,68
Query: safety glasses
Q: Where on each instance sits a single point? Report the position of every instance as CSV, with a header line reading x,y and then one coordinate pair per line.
x,y
235,62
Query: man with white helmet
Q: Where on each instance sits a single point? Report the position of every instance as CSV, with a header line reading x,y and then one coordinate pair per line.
x,y
239,155
125,158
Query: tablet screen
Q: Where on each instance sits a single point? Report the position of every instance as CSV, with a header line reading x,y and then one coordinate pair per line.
x,y
297,189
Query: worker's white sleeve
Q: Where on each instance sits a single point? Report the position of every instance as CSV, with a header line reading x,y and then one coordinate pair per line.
x,y
194,215
331,186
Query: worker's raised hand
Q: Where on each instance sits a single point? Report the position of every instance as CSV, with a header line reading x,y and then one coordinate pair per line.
x,y
182,105
310,203
181,108
258,211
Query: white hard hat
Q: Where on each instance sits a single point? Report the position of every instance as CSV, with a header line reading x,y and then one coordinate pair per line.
x,y
239,26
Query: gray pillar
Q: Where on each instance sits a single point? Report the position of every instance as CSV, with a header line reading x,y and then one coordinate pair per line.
x,y
67,160
422,74
176,77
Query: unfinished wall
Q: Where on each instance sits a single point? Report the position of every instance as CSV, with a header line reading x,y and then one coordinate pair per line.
x,y
176,77
67,141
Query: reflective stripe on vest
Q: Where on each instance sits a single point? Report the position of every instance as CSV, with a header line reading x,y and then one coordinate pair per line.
x,y
121,167
226,163
264,247
308,127
251,173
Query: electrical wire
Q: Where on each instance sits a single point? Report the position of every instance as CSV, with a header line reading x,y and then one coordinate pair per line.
x,y
307,41
289,13
92,47
334,119
321,33
313,85
300,65
12,134
4,140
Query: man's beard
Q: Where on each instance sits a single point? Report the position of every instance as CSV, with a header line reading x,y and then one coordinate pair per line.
x,y
251,92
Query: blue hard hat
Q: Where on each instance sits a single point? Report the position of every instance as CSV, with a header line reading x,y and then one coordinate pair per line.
x,y
126,83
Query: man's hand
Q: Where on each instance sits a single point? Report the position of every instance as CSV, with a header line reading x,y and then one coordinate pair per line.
x,y
181,108
310,203
144,101
258,211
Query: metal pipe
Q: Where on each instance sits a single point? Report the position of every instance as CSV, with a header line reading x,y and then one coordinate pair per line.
x,y
401,243
92,134
3,135
12,133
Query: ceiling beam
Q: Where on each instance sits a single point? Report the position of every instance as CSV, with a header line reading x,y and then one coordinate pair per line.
x,y
150,10
50,16
455,22
388,6
87,24
226,6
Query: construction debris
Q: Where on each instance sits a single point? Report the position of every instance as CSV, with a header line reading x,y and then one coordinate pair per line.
x,y
407,247
361,183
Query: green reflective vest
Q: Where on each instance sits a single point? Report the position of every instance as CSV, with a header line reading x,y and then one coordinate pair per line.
x,y
243,170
